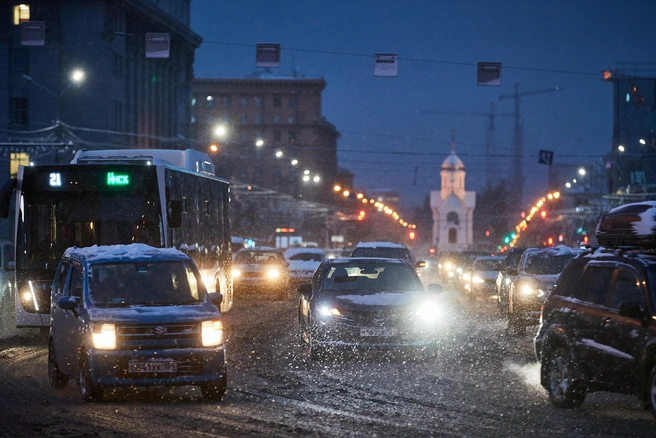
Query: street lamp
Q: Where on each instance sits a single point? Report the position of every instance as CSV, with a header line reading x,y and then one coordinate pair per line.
x,y
220,131
620,148
582,171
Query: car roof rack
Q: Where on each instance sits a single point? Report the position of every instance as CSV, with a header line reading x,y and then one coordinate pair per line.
x,y
629,227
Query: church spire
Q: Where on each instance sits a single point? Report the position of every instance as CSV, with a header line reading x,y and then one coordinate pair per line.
x,y
453,141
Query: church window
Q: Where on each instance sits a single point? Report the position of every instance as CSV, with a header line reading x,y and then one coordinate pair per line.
x,y
452,217
453,235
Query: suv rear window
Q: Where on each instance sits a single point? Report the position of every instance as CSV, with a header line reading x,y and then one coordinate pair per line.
x,y
388,252
546,264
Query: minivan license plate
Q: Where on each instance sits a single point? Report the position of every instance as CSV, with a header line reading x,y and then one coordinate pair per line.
x,y
376,331
155,366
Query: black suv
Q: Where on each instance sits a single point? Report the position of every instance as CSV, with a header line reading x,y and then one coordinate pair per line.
x,y
598,325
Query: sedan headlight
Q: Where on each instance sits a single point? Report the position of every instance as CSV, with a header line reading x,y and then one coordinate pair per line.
x,y
477,279
527,289
466,276
103,336
211,333
329,311
236,273
429,311
273,273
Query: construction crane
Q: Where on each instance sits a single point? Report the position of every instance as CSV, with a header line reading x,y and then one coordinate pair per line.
x,y
517,178
490,134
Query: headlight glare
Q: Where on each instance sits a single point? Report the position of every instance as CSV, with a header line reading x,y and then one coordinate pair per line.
x,y
103,336
236,273
477,279
429,311
329,311
273,273
526,289
211,333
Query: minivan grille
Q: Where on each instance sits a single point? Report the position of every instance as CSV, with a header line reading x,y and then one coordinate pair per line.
x,y
149,336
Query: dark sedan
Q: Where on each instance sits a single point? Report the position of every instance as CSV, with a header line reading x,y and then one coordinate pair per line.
x,y
367,302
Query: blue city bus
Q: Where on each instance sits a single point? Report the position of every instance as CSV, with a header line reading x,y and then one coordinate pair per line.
x,y
165,198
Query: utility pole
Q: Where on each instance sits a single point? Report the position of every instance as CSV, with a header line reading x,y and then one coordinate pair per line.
x,y
490,133
517,172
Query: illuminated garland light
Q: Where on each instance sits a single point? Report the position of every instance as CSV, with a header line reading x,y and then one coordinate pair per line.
x,y
510,241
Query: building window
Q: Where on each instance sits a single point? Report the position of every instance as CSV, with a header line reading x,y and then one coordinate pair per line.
x,y
258,119
291,120
258,172
291,137
277,101
16,159
292,102
243,153
20,59
225,101
242,135
244,173
193,119
18,108
21,13
258,154
244,119
276,120
258,101
117,122
277,136
193,102
244,101
210,100
118,66
453,235
452,217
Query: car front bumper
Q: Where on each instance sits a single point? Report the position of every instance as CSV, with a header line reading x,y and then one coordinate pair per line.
x,y
194,366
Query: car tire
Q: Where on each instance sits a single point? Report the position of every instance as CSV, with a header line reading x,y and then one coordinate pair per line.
x,y
88,390
562,382
651,391
58,380
215,391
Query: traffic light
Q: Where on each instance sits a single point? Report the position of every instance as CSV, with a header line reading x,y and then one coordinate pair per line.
x,y
543,214
506,239
412,235
550,241
487,233
361,215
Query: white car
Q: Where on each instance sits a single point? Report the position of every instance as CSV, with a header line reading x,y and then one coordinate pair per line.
x,y
303,262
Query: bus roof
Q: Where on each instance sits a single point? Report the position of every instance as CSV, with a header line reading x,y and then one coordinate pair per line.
x,y
190,159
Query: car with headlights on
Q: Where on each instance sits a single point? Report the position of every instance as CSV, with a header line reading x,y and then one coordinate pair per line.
x,y
367,302
535,276
504,280
260,271
481,282
134,315
302,263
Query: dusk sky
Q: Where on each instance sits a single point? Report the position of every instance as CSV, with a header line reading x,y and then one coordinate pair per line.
x,y
541,45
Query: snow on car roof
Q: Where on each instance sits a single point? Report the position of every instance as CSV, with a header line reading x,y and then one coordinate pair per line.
x,y
133,251
555,251
379,245
647,222
292,251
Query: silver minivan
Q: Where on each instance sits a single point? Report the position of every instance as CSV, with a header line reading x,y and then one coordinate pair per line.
x,y
134,315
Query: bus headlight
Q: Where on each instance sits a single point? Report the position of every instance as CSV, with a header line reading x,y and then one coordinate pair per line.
x,y
211,333
103,336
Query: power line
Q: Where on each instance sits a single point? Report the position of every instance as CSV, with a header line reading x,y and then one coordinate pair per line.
x,y
426,60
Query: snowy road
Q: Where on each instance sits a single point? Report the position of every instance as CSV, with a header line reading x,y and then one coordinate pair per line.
x,y
483,383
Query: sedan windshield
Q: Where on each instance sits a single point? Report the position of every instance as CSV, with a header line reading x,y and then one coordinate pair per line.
x,y
372,277
546,264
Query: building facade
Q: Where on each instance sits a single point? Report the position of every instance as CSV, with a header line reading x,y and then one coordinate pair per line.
x,y
268,131
122,98
453,208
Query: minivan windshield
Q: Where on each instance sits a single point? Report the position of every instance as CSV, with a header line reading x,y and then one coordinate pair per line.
x,y
144,283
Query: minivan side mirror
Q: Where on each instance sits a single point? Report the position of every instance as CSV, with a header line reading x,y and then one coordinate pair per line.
x,y
68,303
217,299
631,310
304,288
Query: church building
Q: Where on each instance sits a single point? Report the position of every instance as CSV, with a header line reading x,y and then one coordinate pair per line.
x,y
453,208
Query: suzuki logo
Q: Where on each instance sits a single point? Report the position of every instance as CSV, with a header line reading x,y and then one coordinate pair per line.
x,y
159,330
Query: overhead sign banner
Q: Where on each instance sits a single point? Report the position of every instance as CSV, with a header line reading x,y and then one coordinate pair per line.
x,y
545,157
489,74
33,33
386,65
158,45
267,55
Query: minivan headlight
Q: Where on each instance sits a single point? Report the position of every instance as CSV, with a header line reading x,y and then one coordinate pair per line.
x,y
211,333
103,336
